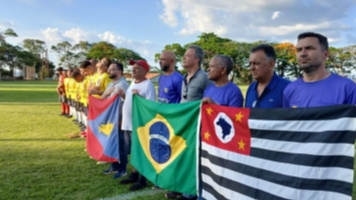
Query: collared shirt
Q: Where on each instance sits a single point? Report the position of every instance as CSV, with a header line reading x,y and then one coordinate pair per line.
x,y
271,97
194,90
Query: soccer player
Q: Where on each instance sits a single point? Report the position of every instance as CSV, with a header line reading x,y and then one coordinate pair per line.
x,y
170,82
61,90
78,78
267,90
222,92
318,86
101,78
143,87
116,72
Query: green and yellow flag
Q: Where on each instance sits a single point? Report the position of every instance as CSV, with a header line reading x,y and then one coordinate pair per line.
x,y
164,143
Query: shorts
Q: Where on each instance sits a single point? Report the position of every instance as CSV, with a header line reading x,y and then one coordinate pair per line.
x,y
62,99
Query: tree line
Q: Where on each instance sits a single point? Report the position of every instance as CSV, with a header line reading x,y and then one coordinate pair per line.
x,y
341,60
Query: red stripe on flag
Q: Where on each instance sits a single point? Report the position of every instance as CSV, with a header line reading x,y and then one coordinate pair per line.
x,y
94,148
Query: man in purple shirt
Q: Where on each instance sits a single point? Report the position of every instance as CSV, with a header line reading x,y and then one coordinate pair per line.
x,y
222,92
170,82
317,87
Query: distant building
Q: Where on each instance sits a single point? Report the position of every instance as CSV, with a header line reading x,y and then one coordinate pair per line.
x,y
153,76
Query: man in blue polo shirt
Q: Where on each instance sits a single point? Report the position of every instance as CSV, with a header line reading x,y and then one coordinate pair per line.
x,y
317,87
267,90
222,92
170,82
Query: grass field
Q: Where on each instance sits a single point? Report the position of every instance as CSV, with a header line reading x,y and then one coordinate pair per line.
x,y
37,161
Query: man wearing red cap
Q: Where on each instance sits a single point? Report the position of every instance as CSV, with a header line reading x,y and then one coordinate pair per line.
x,y
143,87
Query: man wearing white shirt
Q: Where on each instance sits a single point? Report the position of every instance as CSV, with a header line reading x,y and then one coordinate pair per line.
x,y
143,87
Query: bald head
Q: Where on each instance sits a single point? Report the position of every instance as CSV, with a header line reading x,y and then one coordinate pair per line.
x,y
167,61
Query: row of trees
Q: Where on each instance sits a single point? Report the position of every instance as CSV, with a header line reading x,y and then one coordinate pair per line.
x,y
18,56
341,60
70,55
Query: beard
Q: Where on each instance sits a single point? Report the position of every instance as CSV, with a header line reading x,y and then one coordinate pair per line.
x,y
165,68
308,67
112,76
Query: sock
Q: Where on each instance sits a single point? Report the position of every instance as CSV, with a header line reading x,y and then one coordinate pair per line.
x,y
66,109
63,108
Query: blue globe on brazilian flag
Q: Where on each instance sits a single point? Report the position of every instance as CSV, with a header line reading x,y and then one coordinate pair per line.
x,y
164,143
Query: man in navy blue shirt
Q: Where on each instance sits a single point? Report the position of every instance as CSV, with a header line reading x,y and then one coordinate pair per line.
x,y
170,82
267,90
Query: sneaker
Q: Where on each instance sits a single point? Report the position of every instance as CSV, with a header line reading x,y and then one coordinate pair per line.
x,y
155,187
172,195
137,186
131,179
119,175
109,171
101,163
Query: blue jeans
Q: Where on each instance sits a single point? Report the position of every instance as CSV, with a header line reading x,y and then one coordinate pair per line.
x,y
124,151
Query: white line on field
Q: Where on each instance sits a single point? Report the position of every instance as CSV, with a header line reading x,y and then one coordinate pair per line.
x,y
131,195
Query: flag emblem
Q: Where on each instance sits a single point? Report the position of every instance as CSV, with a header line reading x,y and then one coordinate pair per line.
x,y
160,145
224,128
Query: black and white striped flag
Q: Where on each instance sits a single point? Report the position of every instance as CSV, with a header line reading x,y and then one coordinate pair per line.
x,y
304,153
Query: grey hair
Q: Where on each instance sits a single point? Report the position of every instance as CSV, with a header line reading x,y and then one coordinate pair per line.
x,y
199,52
225,61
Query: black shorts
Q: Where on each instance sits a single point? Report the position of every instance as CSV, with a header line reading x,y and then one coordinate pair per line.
x,y
62,98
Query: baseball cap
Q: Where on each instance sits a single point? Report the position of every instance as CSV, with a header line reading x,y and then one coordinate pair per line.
x,y
142,63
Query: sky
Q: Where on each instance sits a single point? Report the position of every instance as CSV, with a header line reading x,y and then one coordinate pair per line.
x,y
146,26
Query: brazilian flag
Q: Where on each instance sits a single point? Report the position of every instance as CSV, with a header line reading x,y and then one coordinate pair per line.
x,y
164,143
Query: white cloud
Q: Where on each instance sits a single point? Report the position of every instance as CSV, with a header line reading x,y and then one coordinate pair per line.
x,y
6,24
112,38
275,15
52,35
168,15
251,20
76,35
145,48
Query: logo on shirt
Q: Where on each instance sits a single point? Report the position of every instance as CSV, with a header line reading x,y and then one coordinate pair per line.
x,y
270,100
165,90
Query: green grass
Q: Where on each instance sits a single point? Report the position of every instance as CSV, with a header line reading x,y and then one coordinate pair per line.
x,y
37,161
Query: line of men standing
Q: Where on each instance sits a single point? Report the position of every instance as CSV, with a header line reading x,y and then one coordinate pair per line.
x,y
317,87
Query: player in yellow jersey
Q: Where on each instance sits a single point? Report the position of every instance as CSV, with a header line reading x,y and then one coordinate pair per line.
x,y
66,89
71,97
77,92
89,70
101,79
